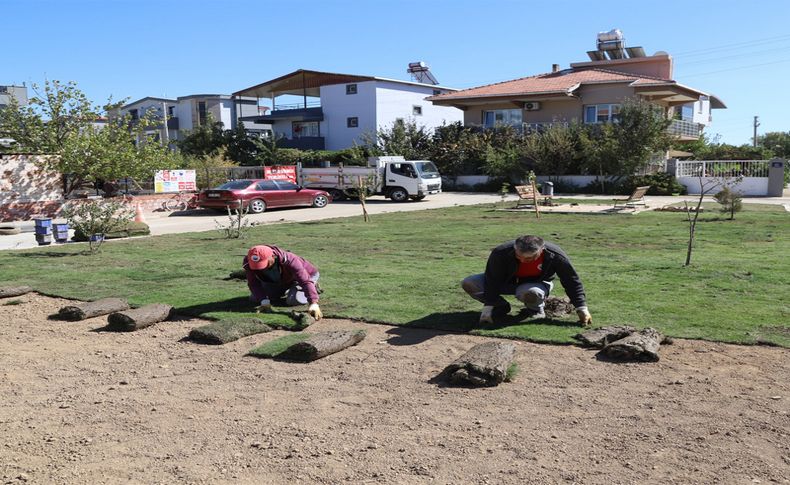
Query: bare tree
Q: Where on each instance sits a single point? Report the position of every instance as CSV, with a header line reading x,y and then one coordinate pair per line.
x,y
706,186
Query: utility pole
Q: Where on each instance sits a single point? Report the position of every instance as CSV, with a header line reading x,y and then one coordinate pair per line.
x,y
756,124
164,121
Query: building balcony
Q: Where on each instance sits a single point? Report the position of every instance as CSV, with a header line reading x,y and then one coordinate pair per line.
x,y
686,130
302,143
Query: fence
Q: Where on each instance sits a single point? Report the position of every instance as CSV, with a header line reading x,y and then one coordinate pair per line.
x,y
749,177
723,168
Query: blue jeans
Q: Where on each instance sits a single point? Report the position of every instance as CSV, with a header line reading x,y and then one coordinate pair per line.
x,y
532,294
291,295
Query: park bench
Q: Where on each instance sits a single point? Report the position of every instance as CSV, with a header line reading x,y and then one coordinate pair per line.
x,y
528,195
635,199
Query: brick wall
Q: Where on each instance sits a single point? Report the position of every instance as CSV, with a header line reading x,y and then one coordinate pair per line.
x,y
27,188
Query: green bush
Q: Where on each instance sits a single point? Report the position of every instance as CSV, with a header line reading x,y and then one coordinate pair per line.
x,y
660,184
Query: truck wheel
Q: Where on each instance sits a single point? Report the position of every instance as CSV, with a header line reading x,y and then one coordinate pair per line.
x,y
337,194
320,201
257,206
399,195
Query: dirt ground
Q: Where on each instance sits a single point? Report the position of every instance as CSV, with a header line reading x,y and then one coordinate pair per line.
x,y
81,406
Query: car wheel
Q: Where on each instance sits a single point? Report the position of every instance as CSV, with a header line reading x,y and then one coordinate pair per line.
x,y
399,195
337,194
320,201
256,206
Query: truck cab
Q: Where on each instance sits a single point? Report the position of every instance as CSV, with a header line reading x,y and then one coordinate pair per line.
x,y
408,179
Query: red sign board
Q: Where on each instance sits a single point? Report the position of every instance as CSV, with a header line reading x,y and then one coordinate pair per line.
x,y
280,172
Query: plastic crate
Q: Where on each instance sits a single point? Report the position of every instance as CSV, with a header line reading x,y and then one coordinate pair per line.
x,y
44,239
43,222
43,230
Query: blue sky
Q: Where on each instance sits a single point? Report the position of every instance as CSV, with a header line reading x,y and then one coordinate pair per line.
x,y
739,51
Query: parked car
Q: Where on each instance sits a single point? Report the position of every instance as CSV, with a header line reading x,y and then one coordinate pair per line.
x,y
257,195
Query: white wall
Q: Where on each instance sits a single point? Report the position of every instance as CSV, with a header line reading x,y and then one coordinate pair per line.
x,y
756,186
702,112
395,100
339,106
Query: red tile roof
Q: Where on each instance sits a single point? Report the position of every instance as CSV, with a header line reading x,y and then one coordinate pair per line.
x,y
562,82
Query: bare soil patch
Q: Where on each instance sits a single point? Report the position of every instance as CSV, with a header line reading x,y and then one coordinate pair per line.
x,y
83,406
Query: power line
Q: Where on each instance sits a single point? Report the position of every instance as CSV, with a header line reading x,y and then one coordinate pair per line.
x,y
778,61
736,45
708,60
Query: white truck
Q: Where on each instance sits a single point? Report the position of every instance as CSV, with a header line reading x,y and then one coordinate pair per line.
x,y
392,177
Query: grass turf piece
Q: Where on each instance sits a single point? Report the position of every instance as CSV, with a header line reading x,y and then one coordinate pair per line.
x,y
224,331
277,346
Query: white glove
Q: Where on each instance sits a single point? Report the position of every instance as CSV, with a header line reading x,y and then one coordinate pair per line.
x,y
487,315
584,316
265,306
314,311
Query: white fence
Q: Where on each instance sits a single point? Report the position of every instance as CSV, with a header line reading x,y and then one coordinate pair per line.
x,y
752,174
723,168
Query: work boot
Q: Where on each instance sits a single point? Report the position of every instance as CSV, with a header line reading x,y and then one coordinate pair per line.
x,y
535,314
501,311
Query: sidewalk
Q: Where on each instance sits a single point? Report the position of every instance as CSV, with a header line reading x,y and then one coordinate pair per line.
x,y
201,220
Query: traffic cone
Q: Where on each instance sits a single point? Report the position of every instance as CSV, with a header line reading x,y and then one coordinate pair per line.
x,y
138,214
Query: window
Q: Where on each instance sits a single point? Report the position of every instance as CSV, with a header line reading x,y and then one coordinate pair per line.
x,y
305,128
510,117
202,114
404,169
266,185
351,89
286,185
601,113
170,111
134,115
416,110
352,122
436,92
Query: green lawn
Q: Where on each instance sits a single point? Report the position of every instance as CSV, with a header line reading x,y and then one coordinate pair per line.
x,y
405,269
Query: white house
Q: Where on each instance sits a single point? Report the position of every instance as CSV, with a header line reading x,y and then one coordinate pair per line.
x,y
188,112
18,92
333,111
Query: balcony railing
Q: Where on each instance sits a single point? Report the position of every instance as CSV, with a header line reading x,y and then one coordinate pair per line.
x,y
684,128
311,104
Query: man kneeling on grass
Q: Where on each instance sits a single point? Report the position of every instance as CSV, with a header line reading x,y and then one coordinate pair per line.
x,y
525,268
276,275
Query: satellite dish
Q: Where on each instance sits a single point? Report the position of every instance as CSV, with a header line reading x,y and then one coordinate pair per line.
x,y
661,53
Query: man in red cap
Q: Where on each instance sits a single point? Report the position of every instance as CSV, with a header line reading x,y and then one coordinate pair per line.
x,y
274,274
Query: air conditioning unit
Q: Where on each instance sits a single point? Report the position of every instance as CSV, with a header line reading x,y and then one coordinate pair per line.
x,y
532,105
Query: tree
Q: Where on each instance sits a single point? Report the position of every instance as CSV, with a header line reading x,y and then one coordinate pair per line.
x,y
730,201
710,149
61,121
778,142
49,119
554,151
245,149
204,140
404,138
706,186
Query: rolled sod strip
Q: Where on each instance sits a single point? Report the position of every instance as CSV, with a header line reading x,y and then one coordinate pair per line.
x,y
484,365
305,347
228,330
639,346
600,337
9,291
91,309
138,318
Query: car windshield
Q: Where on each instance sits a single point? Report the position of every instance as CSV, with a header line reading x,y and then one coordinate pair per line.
x,y
427,169
234,185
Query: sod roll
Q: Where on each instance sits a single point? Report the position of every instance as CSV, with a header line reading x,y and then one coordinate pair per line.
x,y
90,309
9,291
484,365
138,318
227,330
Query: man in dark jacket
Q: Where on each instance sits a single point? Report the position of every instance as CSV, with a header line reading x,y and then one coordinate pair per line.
x,y
525,268
276,274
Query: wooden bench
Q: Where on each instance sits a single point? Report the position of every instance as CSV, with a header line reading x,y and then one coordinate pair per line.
x,y
635,199
528,195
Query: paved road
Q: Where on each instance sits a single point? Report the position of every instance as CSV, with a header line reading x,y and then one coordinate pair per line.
x,y
195,221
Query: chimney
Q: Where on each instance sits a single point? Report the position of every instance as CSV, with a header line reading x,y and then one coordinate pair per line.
x,y
555,68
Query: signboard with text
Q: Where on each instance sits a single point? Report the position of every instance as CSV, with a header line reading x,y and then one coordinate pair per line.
x,y
280,172
174,181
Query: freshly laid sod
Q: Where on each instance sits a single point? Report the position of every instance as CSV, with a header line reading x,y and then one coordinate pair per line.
x,y
277,346
224,331
405,269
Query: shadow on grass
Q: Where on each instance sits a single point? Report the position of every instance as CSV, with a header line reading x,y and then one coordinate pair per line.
x,y
48,254
469,320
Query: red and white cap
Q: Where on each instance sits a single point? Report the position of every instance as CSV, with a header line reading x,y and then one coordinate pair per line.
x,y
258,257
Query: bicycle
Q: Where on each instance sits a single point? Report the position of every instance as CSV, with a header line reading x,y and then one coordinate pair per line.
x,y
180,202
